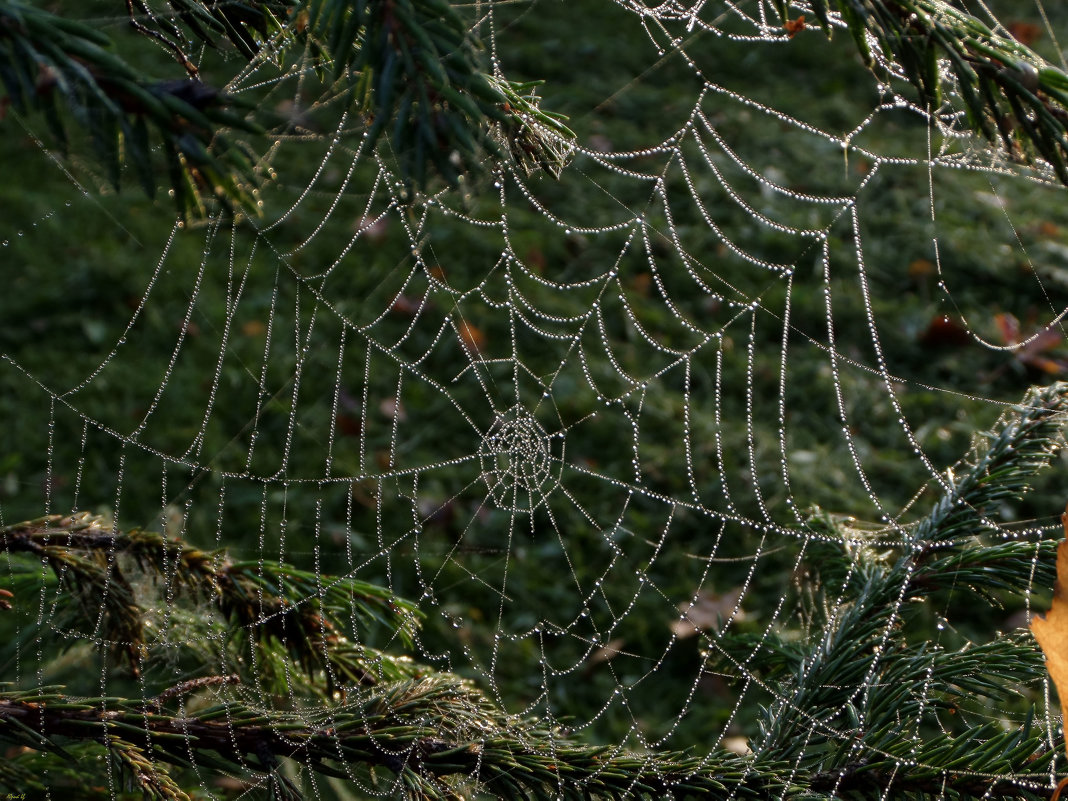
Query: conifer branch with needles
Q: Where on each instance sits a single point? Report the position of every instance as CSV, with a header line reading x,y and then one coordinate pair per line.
x,y
69,73
414,72
434,735
279,610
841,714
437,735
859,712
411,70
1011,95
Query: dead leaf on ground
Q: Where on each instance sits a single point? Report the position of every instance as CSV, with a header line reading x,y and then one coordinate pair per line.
x,y
1049,230
1026,33
600,143
795,26
347,425
373,229
1051,632
1037,344
606,652
535,260
944,331
921,268
642,283
472,338
736,745
393,408
707,613
408,306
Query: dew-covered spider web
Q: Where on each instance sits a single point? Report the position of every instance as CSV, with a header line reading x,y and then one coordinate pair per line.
x,y
584,422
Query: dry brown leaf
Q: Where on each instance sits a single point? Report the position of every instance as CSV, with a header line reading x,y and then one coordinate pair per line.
x,y
736,745
610,650
393,408
347,425
795,26
1049,230
1051,632
642,283
472,337
945,331
406,306
1026,33
374,229
707,613
921,268
1031,353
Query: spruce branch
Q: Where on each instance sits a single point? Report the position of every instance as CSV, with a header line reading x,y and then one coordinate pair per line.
x,y
1011,95
1024,443
146,774
843,716
412,69
293,617
980,756
438,736
16,777
416,72
850,718
246,26
69,73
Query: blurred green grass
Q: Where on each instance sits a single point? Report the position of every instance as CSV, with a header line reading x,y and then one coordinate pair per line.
x,y
79,264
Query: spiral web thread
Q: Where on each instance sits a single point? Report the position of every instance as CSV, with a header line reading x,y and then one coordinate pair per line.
x,y
580,422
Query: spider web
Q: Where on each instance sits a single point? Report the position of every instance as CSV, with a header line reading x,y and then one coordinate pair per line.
x,y
582,422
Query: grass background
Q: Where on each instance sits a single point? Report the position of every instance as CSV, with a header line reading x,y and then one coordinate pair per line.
x,y
206,346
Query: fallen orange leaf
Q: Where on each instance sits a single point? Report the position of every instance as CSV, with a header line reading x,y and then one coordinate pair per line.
x,y
610,650
707,613
472,337
944,330
921,268
1026,33
642,283
795,26
1051,632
